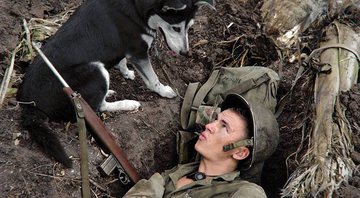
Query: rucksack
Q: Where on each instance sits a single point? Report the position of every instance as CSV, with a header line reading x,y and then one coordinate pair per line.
x,y
254,83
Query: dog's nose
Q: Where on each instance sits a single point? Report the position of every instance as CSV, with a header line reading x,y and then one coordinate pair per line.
x,y
186,54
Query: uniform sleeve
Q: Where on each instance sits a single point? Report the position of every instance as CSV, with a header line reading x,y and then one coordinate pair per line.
x,y
249,190
153,187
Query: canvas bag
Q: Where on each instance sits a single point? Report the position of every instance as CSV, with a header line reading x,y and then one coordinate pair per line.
x,y
254,83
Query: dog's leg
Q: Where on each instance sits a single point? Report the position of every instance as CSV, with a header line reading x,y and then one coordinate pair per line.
x,y
110,93
150,78
101,82
125,71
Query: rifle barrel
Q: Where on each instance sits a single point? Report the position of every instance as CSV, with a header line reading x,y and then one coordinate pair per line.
x,y
51,66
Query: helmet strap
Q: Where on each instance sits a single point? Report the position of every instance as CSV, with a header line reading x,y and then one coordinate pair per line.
x,y
240,143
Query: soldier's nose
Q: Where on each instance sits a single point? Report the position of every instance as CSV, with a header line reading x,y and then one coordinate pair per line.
x,y
210,127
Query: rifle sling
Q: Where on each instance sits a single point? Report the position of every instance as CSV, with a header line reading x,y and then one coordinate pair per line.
x,y
108,140
84,161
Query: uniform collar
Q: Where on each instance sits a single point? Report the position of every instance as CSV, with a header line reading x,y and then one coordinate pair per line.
x,y
185,169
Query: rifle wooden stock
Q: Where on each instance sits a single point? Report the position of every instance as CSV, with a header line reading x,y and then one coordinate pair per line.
x,y
105,137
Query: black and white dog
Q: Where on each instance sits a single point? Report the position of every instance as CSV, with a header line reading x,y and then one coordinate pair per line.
x,y
101,34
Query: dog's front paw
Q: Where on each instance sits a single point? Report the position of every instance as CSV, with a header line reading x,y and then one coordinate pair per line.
x,y
130,105
130,74
167,91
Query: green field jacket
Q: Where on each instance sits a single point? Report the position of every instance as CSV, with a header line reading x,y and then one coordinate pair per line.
x,y
227,185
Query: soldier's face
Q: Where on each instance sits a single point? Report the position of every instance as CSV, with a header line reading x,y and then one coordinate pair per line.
x,y
229,127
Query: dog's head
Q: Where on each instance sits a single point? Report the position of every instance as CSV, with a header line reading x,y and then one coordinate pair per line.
x,y
174,18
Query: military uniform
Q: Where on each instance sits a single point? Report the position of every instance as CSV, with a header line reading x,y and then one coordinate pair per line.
x,y
227,185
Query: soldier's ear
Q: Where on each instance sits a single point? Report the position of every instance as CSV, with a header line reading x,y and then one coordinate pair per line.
x,y
241,153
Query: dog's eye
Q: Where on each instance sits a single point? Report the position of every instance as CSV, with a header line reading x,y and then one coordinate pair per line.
x,y
176,29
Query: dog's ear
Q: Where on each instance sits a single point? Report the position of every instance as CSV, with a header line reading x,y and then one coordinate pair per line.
x,y
209,3
173,5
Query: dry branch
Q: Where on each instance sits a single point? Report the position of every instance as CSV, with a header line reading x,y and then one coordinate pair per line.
x,y
7,77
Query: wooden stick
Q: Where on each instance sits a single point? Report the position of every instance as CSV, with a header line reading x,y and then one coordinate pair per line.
x,y
7,76
28,37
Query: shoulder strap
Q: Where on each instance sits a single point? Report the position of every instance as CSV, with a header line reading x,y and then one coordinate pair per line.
x,y
186,105
193,99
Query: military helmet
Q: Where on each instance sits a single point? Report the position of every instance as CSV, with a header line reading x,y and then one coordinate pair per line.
x,y
263,129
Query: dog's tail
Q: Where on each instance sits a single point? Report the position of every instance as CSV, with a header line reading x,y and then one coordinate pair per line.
x,y
36,122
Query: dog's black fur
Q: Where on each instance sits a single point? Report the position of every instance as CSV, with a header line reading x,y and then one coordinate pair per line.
x,y
99,31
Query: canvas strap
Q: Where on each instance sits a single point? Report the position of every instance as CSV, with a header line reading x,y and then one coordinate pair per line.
x,y
247,142
84,167
186,106
188,112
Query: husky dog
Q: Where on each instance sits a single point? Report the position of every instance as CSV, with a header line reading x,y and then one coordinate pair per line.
x,y
101,34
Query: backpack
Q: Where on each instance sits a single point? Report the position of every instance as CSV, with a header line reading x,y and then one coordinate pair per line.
x,y
254,83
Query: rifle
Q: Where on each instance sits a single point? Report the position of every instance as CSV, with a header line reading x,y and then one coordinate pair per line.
x,y
96,125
